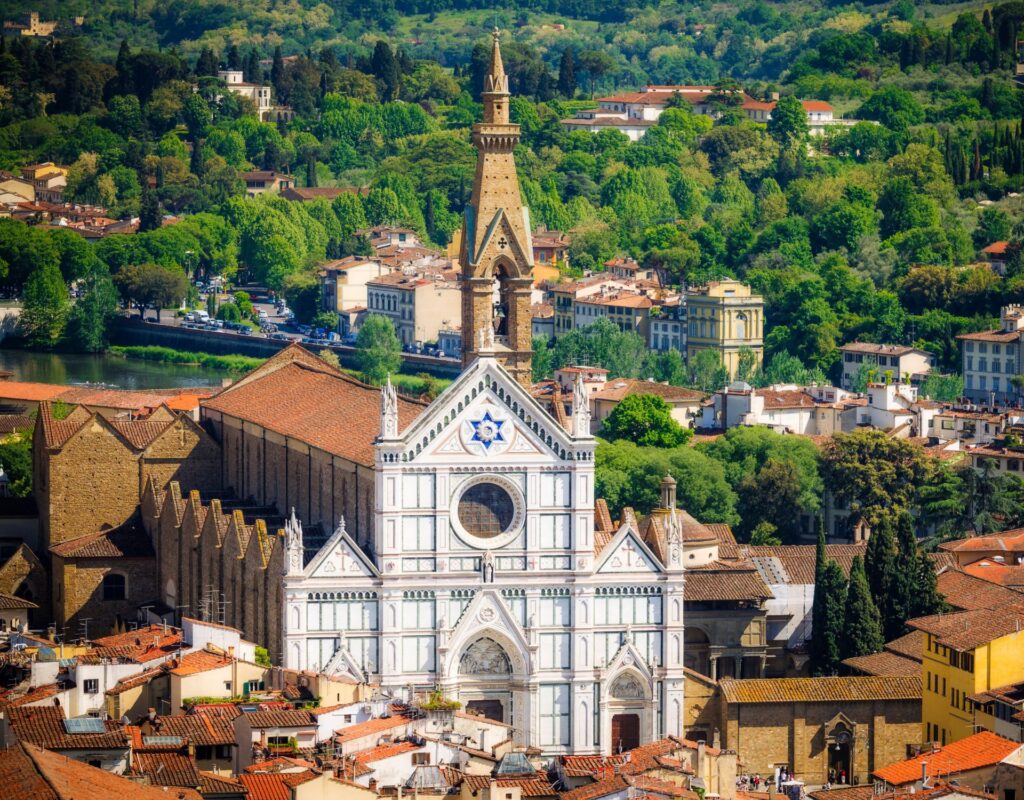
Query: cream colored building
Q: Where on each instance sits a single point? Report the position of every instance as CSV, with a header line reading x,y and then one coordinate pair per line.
x,y
725,316
343,282
206,673
418,305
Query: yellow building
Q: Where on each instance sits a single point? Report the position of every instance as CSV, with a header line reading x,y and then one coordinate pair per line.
x,y
724,316
965,654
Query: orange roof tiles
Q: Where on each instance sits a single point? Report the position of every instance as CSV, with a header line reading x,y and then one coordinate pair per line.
x,y
44,726
28,772
143,644
910,645
980,750
728,581
125,541
167,768
820,690
280,718
970,592
333,412
383,751
583,766
1010,541
199,729
200,661
266,786
884,663
1011,576
965,630
370,727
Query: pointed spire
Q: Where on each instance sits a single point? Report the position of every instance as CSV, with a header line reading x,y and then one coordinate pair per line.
x,y
580,408
388,411
295,545
496,81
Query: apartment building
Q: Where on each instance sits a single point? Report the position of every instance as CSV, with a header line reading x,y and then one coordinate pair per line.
x,y
261,181
343,282
896,361
419,305
667,329
260,95
630,311
992,358
725,316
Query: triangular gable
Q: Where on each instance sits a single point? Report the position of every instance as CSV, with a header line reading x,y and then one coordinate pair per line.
x,y
488,615
501,222
627,553
344,665
627,658
487,379
293,353
184,419
340,556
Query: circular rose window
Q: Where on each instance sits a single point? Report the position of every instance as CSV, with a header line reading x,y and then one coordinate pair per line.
x,y
488,511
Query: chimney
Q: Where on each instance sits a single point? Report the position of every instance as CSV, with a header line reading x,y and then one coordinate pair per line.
x,y
482,739
701,746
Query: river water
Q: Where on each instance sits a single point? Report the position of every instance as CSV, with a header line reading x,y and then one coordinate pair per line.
x,y
81,368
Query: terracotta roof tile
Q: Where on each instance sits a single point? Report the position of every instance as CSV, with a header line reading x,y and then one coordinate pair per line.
x,y
333,412
28,772
620,388
200,661
969,592
909,646
142,644
601,788
798,560
531,787
728,581
820,690
965,630
167,768
281,764
980,750
281,718
44,726
141,679
200,729
383,751
9,602
266,786
884,663
370,727
129,540
1009,575
219,783
584,766
1011,541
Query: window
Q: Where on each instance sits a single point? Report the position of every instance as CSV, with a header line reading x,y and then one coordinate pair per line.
x,y
554,490
91,686
418,653
350,611
114,587
554,532
554,611
417,534
555,650
95,762
420,759
554,715
515,599
417,491
486,510
418,610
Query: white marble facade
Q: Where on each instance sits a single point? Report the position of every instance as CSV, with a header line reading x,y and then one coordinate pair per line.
x,y
483,580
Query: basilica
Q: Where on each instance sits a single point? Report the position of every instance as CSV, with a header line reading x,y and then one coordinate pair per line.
x,y
488,571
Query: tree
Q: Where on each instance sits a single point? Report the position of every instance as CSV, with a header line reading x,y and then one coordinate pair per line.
x,y
827,612
328,356
707,372
567,74
645,419
862,628
764,536
94,310
772,495
541,359
596,63
378,351
384,68
880,568
871,473
152,285
788,124
45,306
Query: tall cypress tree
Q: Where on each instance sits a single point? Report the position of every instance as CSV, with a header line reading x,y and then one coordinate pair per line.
x,y
880,563
567,74
827,611
862,625
385,68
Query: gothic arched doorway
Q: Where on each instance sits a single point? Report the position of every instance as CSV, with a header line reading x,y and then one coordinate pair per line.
x,y
484,670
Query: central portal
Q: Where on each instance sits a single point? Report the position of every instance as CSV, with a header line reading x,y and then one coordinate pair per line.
x,y
625,732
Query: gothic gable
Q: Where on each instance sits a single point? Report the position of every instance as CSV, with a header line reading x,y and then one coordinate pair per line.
x,y
627,553
627,662
340,557
484,625
486,416
504,240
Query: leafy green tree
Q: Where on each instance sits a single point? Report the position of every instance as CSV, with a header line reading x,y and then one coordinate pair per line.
x,y
862,627
228,312
93,312
942,388
541,360
328,356
45,306
645,419
150,285
842,224
993,226
669,368
788,124
894,107
764,535
707,372
378,351
772,495
871,473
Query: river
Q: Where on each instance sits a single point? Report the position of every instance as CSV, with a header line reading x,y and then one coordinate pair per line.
x,y
81,368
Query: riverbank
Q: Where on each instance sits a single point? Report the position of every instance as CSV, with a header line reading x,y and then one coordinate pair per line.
x,y
412,385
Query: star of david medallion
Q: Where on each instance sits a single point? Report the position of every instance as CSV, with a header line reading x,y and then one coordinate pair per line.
x,y
487,430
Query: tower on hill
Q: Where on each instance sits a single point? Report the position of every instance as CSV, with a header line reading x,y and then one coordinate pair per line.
x,y
497,254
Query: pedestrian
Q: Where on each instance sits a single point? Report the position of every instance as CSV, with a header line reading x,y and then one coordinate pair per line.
x,y
842,776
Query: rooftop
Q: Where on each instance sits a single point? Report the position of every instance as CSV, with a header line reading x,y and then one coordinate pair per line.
x,y
821,690
966,630
980,750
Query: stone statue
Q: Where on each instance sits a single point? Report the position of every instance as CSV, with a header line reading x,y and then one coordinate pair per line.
x,y
388,411
580,408
488,567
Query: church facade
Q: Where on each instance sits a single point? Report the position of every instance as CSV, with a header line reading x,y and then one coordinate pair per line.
x,y
490,572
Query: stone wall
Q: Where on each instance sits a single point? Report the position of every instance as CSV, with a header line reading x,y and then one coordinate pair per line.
x,y
77,591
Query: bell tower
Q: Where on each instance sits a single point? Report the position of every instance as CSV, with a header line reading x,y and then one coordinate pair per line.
x,y
497,250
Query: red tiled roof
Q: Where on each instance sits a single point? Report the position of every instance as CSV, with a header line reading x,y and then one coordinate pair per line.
x,y
1008,575
965,630
125,541
820,690
370,727
980,750
996,249
728,581
969,592
1010,541
281,718
28,772
167,768
143,644
583,766
219,783
530,787
601,788
884,663
384,751
200,661
910,645
200,729
281,764
266,786
333,412
44,726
